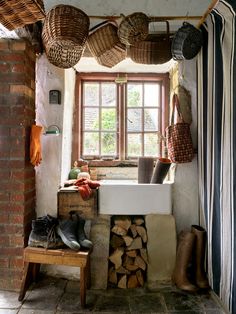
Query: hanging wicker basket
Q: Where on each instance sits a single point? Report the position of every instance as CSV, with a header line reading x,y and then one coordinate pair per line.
x,y
156,49
133,28
105,46
18,13
64,35
187,42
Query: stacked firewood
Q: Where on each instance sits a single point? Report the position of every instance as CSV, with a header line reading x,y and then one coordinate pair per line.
x,y
128,253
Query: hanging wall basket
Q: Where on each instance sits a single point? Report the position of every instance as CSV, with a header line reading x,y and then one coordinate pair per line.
x,y
187,42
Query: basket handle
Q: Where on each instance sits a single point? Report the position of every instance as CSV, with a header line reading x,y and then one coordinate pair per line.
x,y
102,24
154,19
175,104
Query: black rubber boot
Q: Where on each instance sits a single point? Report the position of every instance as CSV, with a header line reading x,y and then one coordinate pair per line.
x,y
82,239
67,230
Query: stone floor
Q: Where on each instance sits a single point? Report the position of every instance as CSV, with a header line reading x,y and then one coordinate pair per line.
x,y
53,295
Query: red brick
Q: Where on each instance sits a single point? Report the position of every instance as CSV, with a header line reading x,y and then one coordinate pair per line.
x,y
4,131
12,229
17,197
12,57
12,251
11,283
12,78
4,241
18,45
4,262
4,196
16,207
16,262
19,68
4,219
16,219
4,44
17,131
16,241
4,67
4,88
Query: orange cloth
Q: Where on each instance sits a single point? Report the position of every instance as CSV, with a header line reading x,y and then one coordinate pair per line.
x,y
35,145
85,187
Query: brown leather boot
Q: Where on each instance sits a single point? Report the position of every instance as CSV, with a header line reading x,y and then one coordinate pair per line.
x,y
183,257
199,257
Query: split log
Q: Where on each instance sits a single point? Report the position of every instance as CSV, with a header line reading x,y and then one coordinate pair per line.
x,y
131,267
136,244
132,281
116,241
140,278
128,240
122,270
140,262
143,253
119,230
122,283
128,260
115,257
138,221
142,232
132,253
123,222
133,231
112,276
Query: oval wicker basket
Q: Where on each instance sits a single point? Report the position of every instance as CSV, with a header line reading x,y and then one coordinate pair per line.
x,y
155,50
105,46
133,28
187,42
64,35
18,13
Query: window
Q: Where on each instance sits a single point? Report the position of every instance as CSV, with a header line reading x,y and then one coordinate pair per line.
x,y
119,120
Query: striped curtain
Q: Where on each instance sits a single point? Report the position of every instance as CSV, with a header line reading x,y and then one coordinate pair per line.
x,y
217,147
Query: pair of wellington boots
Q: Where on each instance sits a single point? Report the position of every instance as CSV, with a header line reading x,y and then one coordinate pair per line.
x,y
191,250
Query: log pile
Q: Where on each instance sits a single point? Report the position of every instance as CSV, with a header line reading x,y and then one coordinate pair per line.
x,y
128,254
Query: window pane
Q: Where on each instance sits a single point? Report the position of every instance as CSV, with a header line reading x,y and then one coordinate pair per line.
x,y
109,119
134,96
91,143
108,144
151,145
134,145
91,94
91,119
152,95
108,94
134,122
151,120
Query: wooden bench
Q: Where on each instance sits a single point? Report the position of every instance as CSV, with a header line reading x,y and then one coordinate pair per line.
x,y
33,257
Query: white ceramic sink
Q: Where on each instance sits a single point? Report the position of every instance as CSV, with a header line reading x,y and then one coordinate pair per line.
x,y
126,197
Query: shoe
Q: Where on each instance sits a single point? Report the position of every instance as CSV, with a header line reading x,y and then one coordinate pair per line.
x,y
67,230
43,233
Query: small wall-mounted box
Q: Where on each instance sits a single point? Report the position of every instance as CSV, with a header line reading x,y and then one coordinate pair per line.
x,y
54,97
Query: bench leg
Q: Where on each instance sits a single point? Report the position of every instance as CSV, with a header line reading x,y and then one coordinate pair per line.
x,y
35,271
83,286
26,280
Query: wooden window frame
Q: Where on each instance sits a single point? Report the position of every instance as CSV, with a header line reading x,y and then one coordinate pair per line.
x,y
77,142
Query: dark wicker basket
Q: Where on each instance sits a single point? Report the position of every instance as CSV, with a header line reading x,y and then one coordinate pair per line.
x,y
133,28
155,50
64,35
187,42
18,13
105,46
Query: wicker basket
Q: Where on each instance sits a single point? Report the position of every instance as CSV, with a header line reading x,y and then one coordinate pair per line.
x,y
155,50
105,46
133,28
18,13
64,35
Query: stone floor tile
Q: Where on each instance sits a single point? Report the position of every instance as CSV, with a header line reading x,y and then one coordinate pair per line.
x,y
31,311
112,304
5,311
9,300
149,303
216,311
207,302
70,302
125,292
181,301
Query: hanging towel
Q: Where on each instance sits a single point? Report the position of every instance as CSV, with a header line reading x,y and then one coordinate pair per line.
x,y
35,145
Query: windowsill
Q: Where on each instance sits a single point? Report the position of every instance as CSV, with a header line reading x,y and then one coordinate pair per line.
x,y
110,163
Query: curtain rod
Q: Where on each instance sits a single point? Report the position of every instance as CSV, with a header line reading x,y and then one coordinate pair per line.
x,y
152,18
208,11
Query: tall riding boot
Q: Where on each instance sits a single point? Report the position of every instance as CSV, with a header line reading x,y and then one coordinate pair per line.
x,y
183,258
199,257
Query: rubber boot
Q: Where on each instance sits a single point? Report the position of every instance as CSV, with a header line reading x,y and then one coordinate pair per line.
x,y
199,257
67,230
160,171
183,258
82,239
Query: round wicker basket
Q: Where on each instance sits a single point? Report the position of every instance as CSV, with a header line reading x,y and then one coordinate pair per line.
x,y
133,28
64,35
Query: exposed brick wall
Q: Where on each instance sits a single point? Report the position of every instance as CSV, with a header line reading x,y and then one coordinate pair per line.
x,y
17,176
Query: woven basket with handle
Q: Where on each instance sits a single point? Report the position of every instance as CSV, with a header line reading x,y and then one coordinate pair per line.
x,y
104,44
64,35
18,13
133,28
156,49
